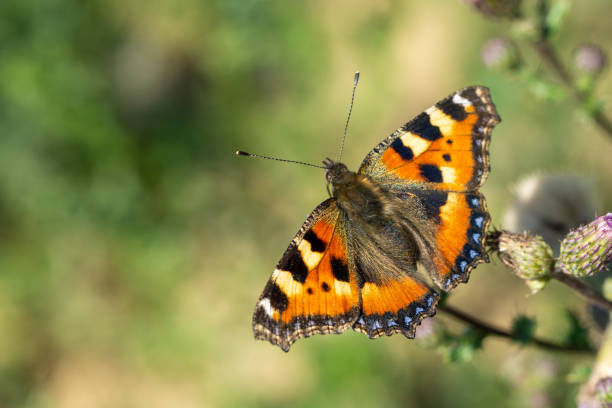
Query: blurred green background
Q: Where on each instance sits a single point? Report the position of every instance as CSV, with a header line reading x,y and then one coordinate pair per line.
x,y
134,244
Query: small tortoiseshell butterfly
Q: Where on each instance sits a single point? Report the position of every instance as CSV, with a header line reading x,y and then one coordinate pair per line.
x,y
414,200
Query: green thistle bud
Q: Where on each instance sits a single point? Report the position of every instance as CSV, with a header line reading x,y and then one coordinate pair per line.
x,y
536,285
587,249
529,257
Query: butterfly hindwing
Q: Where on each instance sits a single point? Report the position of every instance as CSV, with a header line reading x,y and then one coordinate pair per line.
x,y
312,290
396,306
460,221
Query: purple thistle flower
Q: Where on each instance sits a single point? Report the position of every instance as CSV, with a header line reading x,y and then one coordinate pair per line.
x,y
587,249
603,388
497,8
590,59
500,53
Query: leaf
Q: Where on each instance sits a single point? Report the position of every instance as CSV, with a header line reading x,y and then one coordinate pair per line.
x,y
579,374
461,348
578,335
523,329
555,16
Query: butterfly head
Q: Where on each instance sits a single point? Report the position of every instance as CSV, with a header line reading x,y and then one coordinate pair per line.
x,y
335,172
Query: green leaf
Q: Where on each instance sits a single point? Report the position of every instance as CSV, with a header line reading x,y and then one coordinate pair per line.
x,y
461,348
523,329
555,16
578,335
579,374
545,90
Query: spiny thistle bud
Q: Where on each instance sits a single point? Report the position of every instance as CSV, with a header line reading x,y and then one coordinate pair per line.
x,y
529,257
603,388
587,249
497,8
501,54
590,59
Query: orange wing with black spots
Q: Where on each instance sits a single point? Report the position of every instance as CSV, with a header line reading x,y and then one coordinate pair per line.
x,y
313,289
325,284
460,220
441,157
446,146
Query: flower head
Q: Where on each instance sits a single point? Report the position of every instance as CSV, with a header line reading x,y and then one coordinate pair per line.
x,y
587,249
528,256
603,388
590,59
500,54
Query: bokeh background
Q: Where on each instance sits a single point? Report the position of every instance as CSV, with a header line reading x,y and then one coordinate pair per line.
x,y
134,244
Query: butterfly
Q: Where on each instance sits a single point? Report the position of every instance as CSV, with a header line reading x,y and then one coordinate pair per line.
x,y
410,222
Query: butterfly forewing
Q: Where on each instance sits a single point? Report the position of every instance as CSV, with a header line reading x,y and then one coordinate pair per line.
x,y
313,289
446,146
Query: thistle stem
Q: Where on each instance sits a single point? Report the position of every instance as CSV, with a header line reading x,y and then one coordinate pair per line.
x,y
548,54
590,294
495,331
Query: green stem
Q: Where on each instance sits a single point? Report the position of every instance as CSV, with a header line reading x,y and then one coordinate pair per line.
x,y
587,292
495,331
548,54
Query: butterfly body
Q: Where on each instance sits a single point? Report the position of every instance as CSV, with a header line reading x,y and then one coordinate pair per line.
x,y
382,224
409,220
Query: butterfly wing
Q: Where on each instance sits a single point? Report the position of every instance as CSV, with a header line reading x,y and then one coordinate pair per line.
x,y
441,158
393,298
396,306
313,289
461,222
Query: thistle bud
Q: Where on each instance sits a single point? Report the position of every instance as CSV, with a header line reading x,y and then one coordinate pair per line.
x,y
590,59
587,249
536,285
603,388
500,54
497,8
528,256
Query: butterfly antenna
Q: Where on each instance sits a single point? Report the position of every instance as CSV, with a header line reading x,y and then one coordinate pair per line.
x,y
349,114
241,153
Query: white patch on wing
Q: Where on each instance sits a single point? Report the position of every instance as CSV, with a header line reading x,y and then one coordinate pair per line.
x,y
266,306
460,100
